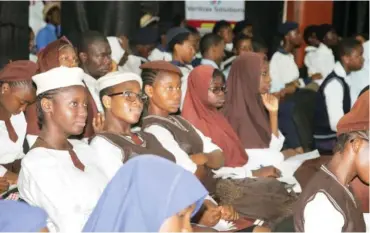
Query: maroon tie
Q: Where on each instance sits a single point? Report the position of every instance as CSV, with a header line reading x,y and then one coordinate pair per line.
x,y
12,134
76,161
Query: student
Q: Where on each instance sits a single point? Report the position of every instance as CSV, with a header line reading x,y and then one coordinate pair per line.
x,y
195,38
21,217
123,102
148,194
333,98
243,27
182,49
60,176
163,28
17,92
328,191
259,46
212,50
312,43
144,41
52,30
223,29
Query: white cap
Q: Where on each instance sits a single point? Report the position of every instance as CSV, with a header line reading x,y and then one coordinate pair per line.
x,y
117,77
57,78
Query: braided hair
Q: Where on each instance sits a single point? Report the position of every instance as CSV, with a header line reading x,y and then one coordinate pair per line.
x,y
45,95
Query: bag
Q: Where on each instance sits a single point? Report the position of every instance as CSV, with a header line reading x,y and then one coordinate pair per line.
x,y
259,198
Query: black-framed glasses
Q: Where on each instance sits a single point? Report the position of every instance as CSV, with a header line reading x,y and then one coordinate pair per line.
x,y
218,90
131,96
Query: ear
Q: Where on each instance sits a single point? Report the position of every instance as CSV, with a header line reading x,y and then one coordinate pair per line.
x,y
5,88
83,57
107,102
148,91
46,105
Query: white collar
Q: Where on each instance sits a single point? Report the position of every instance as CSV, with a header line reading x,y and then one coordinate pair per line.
x,y
310,48
209,62
322,47
89,80
339,70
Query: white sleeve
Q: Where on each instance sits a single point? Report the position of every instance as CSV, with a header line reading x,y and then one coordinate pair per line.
x,y
276,84
334,103
321,216
208,145
169,143
277,143
109,156
324,63
3,170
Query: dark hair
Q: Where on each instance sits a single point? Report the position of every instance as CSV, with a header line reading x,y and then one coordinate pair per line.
x,y
47,95
346,47
51,10
178,39
4,60
308,32
192,30
209,40
163,27
24,83
218,73
239,26
148,76
237,39
258,44
220,25
343,139
177,20
88,38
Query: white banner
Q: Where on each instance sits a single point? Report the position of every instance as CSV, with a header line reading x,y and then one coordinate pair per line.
x,y
215,10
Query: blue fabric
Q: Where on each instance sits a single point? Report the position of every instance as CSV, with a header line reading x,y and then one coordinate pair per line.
x,y
177,63
47,35
21,217
287,125
143,194
196,62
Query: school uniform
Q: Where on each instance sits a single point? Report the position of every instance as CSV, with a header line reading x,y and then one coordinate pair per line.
x,y
205,61
185,70
226,66
309,61
158,55
323,60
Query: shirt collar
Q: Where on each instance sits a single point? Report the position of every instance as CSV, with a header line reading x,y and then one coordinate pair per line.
x,y
325,48
339,70
310,48
177,63
209,62
282,50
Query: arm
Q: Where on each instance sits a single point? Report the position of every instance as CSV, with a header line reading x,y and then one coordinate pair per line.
x,y
274,123
272,105
334,103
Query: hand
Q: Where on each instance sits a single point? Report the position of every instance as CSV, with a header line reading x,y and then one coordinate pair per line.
x,y
271,102
289,153
210,216
114,66
230,172
98,122
228,213
316,76
199,159
269,171
4,184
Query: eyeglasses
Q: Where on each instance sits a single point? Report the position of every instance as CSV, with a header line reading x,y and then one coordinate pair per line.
x,y
218,90
131,96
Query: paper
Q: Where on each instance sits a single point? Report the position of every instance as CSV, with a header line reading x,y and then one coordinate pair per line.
x,y
290,166
306,156
223,225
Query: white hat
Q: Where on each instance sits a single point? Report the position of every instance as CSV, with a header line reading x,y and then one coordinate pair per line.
x,y
148,19
117,77
57,78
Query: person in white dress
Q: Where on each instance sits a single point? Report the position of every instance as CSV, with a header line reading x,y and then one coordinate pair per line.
x,y
17,92
60,176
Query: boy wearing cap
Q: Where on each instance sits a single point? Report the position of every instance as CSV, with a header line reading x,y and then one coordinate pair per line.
x,y
52,30
327,204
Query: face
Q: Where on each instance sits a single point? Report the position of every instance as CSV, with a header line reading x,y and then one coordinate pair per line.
x,y
179,222
313,40
186,51
54,16
145,50
195,39
248,31
68,57
219,52
165,93
295,37
97,60
68,109
265,81
15,99
128,104
362,158
244,46
226,34
216,92
356,60
331,39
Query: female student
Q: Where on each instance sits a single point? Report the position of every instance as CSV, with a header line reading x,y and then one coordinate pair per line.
x,y
123,100
63,177
135,201
17,92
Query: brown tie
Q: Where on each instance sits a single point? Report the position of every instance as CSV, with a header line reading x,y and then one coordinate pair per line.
x,y
76,161
92,111
12,134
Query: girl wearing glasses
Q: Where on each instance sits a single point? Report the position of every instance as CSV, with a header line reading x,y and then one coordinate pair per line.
x,y
122,99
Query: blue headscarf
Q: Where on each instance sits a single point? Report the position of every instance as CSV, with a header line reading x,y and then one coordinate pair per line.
x,y
21,217
143,194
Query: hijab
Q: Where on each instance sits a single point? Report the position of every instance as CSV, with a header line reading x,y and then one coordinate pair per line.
x,y
209,120
21,217
244,108
143,194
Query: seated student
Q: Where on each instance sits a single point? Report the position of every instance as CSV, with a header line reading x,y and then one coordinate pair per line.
x,y
123,103
243,27
223,29
57,53
212,50
182,49
195,38
310,38
17,92
328,204
148,194
21,217
60,176
163,27
259,46
333,98
196,153
144,41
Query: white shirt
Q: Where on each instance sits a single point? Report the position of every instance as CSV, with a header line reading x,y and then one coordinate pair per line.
x,y
11,151
91,85
49,180
323,61
169,143
205,61
158,55
334,97
184,81
309,60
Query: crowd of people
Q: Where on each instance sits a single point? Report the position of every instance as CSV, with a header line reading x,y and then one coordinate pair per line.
x,y
173,131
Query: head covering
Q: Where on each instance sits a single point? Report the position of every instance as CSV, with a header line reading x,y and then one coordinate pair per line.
x,y
21,70
148,19
48,58
146,36
322,30
143,194
21,217
117,50
48,6
57,78
117,77
209,120
173,32
161,65
358,118
286,27
244,108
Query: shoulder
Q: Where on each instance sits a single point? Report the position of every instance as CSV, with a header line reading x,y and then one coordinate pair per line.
x,y
102,142
38,157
